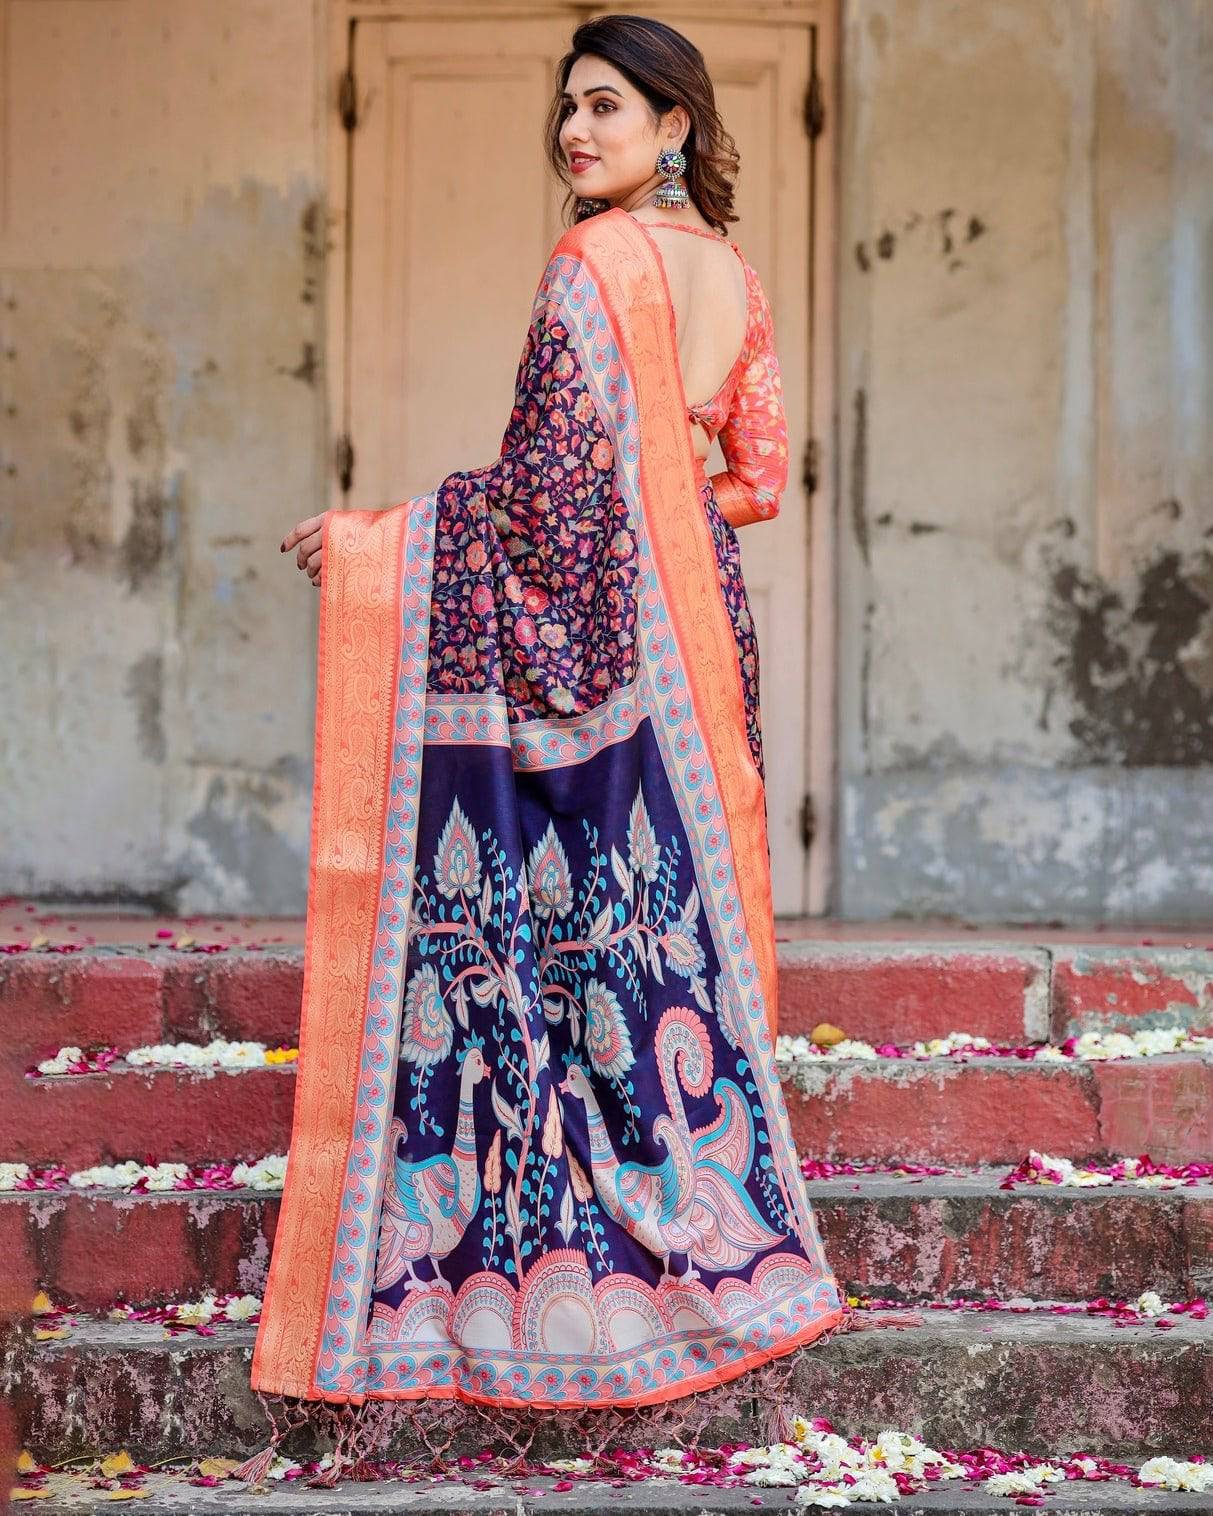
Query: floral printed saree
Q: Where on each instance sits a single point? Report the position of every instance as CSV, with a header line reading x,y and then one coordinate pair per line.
x,y
540,1155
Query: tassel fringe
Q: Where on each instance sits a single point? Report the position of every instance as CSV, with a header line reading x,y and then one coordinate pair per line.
x,y
761,1397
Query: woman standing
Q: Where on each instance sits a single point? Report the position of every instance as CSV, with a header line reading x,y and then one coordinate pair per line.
x,y
540,1156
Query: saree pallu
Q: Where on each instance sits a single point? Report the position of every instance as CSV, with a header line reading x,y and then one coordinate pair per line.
x,y
539,1154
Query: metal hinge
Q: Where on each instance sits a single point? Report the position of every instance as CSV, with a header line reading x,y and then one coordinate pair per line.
x,y
808,822
810,470
347,100
814,107
343,457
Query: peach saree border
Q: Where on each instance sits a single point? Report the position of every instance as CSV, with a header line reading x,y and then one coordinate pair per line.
x,y
686,560
359,648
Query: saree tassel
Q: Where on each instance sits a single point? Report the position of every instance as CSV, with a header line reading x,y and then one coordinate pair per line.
x,y
355,1433
775,1423
253,1470
868,1321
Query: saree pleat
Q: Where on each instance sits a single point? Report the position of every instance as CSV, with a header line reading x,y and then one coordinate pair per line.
x,y
539,1152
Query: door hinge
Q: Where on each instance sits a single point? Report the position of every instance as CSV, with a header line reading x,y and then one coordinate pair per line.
x,y
810,471
343,457
808,822
347,100
814,107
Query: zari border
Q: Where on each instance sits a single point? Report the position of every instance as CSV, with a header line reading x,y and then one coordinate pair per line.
x,y
629,273
372,657
545,742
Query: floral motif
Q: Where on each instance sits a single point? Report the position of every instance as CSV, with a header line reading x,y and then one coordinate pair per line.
x,y
457,862
683,950
643,852
607,1040
426,1029
551,886
534,568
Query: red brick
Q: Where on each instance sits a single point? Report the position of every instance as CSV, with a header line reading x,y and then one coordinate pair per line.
x,y
167,1116
1161,1106
946,1111
243,996
884,1235
54,1000
889,992
1122,989
89,1249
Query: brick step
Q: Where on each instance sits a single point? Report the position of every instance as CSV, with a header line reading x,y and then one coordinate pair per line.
x,y
1039,1384
885,1235
534,1495
875,991
937,1110
985,1111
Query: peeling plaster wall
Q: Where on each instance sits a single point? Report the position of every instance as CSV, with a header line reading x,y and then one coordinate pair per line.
x,y
161,426
1026,430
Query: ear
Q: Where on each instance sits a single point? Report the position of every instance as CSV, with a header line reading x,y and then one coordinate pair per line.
x,y
677,126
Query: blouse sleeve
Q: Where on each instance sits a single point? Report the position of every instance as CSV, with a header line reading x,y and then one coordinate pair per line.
x,y
754,438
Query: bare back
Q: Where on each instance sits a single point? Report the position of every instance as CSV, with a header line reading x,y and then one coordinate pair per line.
x,y
708,289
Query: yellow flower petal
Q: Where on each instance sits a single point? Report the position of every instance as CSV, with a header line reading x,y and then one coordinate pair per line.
x,y
218,1468
117,1463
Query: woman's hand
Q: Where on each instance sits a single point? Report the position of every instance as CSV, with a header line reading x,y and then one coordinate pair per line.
x,y
307,536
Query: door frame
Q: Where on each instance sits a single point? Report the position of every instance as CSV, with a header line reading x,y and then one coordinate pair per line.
x,y
824,17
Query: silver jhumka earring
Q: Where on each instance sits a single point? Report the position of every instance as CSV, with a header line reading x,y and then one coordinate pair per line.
x,y
671,195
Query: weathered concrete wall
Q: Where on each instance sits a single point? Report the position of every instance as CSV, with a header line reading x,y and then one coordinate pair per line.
x,y
1026,376
161,429
1027,482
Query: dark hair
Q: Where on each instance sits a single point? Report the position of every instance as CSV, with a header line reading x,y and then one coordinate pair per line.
x,y
668,70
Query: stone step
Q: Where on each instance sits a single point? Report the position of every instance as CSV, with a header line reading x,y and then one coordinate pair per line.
x,y
915,1238
993,1110
1041,1384
876,991
536,1495
937,1110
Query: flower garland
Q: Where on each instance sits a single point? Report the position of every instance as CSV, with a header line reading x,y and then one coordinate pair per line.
x,y
269,1172
794,1056
266,1173
219,1053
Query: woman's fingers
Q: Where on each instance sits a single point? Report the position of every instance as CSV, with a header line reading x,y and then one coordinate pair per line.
x,y
302,530
310,544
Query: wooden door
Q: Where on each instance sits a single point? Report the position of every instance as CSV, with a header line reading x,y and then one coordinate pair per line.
x,y
445,212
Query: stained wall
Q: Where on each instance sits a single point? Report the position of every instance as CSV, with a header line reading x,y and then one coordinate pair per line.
x,y
160,429
1026,692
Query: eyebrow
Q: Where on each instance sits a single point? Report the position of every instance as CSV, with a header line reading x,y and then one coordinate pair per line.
x,y
565,95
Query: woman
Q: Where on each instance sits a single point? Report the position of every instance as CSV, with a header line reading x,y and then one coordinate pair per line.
x,y
540,1156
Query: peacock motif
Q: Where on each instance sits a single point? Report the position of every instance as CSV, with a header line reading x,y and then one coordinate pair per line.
x,y
694,1202
428,1206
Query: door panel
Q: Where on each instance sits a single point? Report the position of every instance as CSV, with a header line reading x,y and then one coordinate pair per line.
x,y
452,212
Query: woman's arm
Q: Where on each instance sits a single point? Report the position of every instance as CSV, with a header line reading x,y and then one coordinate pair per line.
x,y
754,439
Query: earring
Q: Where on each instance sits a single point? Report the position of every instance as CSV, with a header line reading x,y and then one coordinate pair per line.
x,y
673,193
